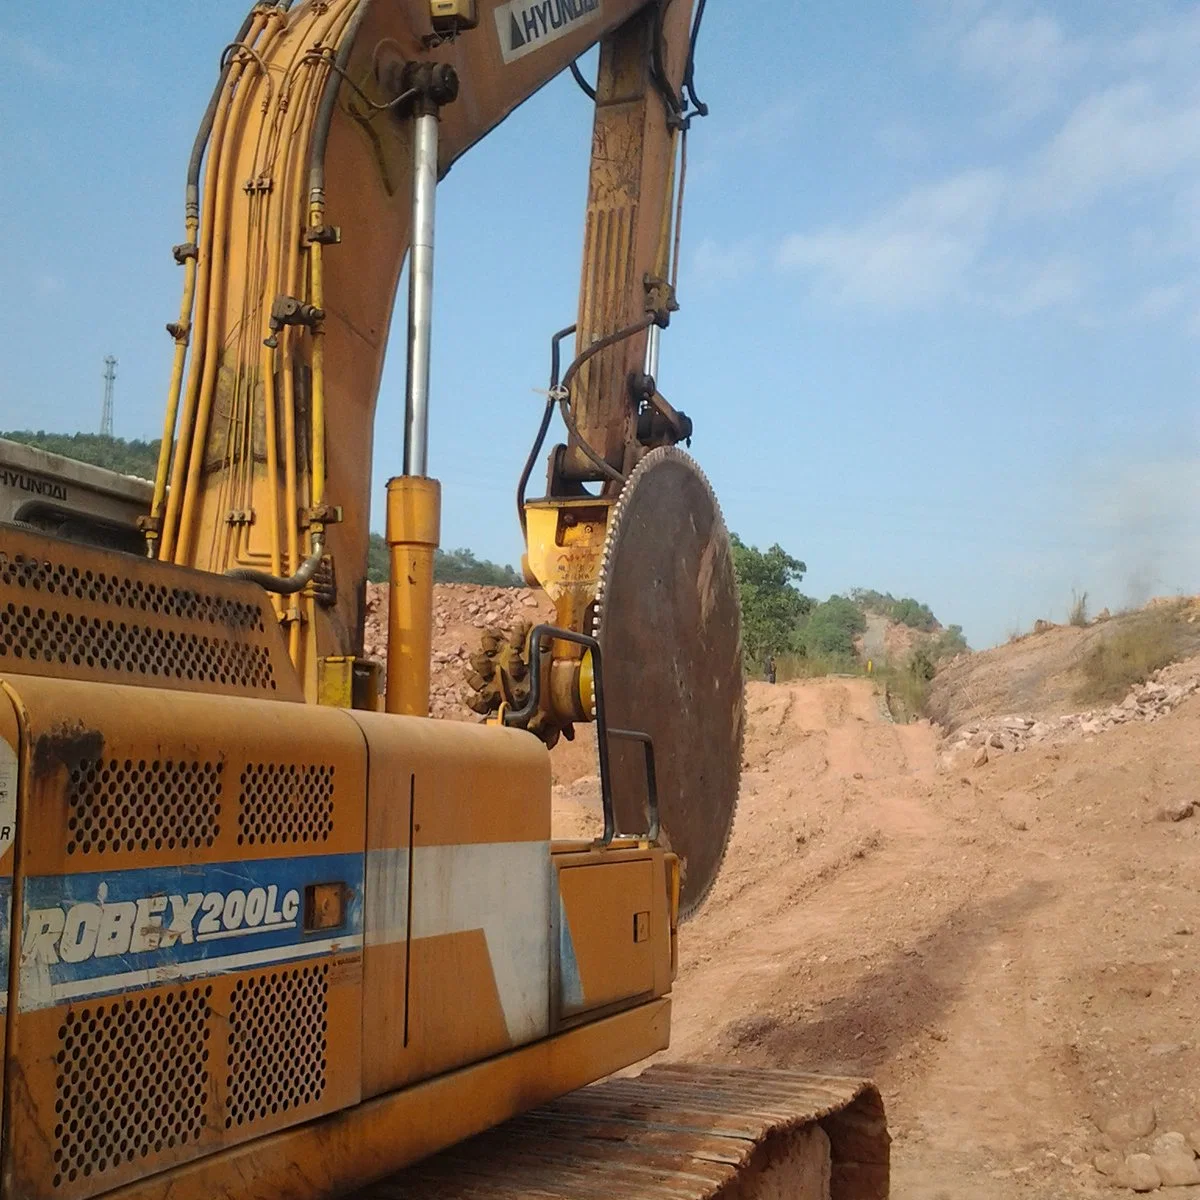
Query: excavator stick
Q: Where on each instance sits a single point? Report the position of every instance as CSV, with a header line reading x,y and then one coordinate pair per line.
x,y
675,1133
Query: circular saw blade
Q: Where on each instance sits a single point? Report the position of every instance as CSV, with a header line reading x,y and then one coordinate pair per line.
x,y
669,625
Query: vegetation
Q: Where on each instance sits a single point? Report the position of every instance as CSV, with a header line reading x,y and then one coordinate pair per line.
x,y
831,628
449,566
1078,614
132,457
905,611
772,606
1144,642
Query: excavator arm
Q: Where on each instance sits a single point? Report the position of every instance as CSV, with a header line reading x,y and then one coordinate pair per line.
x,y
304,198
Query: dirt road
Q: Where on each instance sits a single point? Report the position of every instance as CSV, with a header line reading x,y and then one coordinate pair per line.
x,y
1010,951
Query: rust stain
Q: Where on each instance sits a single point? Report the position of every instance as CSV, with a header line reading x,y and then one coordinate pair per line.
x,y
68,744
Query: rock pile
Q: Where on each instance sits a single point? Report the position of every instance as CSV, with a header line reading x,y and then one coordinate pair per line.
x,y
461,612
1131,1160
1164,691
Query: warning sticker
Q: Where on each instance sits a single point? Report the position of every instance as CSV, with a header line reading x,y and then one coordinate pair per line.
x,y
527,25
8,796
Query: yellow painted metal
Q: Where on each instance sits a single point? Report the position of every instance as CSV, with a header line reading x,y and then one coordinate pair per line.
x,y
413,533
330,1157
565,541
629,202
335,681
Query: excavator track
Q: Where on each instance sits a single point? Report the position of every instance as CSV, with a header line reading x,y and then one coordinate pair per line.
x,y
674,1133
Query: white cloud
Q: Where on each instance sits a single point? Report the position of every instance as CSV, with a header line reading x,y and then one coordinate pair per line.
x,y
28,55
1121,136
911,256
1028,57
714,263
1022,288
1161,301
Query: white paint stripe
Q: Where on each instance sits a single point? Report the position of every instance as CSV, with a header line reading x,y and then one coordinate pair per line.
x,y
245,932
201,967
501,888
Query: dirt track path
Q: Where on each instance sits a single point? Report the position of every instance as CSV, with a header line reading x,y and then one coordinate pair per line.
x,y
997,948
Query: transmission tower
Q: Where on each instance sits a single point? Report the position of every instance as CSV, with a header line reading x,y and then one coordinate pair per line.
x,y
110,377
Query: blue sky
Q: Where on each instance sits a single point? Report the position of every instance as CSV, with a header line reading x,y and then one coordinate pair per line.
x,y
941,311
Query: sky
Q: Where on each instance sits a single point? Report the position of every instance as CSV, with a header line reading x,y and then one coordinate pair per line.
x,y
940,316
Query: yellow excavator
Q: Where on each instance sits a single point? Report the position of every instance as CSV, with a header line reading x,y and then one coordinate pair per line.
x,y
270,932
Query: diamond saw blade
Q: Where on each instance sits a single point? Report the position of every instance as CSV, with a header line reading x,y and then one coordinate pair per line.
x,y
669,625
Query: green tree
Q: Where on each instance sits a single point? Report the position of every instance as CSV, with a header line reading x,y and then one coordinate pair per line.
x,y
132,457
449,566
831,628
772,606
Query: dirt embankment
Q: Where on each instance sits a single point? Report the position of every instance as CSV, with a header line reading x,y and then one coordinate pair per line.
x,y
1044,674
1010,951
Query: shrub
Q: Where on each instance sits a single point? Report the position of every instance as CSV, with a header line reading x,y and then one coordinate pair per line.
x,y
1145,642
1078,615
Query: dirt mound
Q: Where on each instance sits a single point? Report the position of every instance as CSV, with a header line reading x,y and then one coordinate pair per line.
x,y
1044,674
1009,952
461,612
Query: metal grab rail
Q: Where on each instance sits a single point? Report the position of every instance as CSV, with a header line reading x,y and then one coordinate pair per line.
x,y
518,718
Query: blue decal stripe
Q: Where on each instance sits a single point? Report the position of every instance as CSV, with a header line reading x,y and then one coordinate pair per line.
x,y
88,989
101,932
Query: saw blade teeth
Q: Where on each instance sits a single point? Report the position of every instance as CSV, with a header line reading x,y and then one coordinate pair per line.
x,y
620,506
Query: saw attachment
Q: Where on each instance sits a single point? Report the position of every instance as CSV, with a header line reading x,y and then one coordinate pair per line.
x,y
668,621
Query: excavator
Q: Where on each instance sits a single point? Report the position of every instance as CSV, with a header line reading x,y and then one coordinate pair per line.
x,y
271,932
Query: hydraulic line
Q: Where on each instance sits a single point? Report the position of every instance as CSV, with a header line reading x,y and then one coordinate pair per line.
x,y
210,267
211,352
606,469
547,416
292,584
251,27
316,219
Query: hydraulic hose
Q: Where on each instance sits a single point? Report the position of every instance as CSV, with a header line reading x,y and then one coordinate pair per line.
x,y
182,331
277,583
547,417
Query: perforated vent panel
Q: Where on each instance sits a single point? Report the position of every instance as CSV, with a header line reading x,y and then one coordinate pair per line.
x,y
278,1041
78,612
132,1081
285,802
36,574
51,636
115,805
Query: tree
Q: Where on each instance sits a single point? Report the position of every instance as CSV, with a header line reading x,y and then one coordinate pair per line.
x,y
114,454
453,566
831,628
772,605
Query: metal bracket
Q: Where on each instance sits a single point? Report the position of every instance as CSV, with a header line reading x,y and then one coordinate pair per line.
x,y
287,310
519,718
660,300
324,235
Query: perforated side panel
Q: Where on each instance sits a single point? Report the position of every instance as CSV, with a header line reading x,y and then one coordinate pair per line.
x,y
49,635
118,589
69,611
285,803
278,1042
126,805
132,1081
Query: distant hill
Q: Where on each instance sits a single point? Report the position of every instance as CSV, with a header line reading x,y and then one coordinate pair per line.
x,y
132,457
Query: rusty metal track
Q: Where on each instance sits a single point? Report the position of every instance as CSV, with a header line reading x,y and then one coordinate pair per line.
x,y
674,1133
